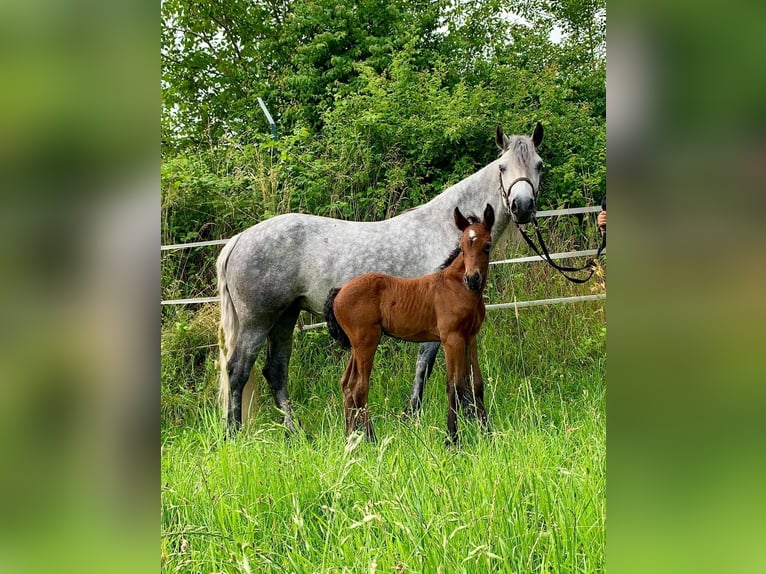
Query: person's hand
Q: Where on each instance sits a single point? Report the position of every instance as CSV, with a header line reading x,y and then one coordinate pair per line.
x,y
602,220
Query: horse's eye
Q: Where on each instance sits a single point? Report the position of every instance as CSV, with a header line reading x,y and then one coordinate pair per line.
x,y
540,166
502,168
487,247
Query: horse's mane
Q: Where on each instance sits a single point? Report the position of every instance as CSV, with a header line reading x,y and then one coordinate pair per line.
x,y
452,256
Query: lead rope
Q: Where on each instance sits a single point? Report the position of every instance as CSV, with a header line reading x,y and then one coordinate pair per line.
x,y
589,265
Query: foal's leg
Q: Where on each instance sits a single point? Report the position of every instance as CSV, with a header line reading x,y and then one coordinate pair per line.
x,y
278,351
477,382
355,384
240,364
364,354
364,360
356,380
426,358
465,394
346,384
454,352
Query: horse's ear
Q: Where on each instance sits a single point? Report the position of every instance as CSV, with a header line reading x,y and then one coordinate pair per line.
x,y
501,140
537,137
489,217
460,220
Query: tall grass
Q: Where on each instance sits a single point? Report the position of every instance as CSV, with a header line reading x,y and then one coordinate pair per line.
x,y
529,497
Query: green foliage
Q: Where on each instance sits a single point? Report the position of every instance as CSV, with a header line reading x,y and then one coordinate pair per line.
x,y
380,105
188,366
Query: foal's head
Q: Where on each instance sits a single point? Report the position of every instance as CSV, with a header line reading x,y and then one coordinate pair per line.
x,y
475,245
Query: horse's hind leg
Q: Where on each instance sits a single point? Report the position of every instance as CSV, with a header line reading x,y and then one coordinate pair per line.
x,y
240,364
362,388
278,351
346,383
356,384
426,358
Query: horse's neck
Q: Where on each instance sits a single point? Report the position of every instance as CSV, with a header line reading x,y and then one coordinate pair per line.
x,y
456,269
471,195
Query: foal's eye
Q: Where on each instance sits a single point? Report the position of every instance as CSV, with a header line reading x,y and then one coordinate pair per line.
x,y
487,247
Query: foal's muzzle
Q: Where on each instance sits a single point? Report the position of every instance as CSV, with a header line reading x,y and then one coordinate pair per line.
x,y
473,281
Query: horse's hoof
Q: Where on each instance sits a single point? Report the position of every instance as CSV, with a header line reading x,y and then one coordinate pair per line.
x,y
451,442
411,411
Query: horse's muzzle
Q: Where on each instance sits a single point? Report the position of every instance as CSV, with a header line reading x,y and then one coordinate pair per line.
x,y
473,282
522,209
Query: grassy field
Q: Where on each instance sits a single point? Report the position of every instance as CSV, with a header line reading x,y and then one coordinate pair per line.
x,y
529,497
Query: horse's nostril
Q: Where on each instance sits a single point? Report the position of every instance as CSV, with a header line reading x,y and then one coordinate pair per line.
x,y
514,207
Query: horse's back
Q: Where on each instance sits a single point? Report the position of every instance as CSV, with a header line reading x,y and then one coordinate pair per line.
x,y
264,267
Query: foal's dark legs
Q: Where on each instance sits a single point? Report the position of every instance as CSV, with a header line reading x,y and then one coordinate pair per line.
x,y
355,382
278,351
477,383
455,355
426,358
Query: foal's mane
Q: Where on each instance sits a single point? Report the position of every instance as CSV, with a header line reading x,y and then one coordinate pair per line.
x,y
472,219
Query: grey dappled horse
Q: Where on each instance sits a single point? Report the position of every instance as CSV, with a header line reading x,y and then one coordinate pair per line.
x,y
271,271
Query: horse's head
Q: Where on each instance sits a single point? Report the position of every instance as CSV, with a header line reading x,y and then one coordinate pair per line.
x,y
520,169
475,245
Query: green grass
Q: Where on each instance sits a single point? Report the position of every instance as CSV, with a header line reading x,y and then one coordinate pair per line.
x,y
530,497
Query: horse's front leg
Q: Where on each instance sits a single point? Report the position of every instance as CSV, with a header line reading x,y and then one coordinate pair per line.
x,y
465,394
455,354
426,358
477,382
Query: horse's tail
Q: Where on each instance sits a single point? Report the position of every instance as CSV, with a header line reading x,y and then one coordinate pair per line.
x,y
229,327
333,326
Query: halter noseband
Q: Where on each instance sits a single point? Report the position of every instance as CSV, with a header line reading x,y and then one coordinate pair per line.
x,y
506,195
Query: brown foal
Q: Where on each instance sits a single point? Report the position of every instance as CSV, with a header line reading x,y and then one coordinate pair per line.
x,y
446,306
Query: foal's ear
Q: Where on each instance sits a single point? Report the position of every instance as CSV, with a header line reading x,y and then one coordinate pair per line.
x,y
489,217
501,140
460,220
537,137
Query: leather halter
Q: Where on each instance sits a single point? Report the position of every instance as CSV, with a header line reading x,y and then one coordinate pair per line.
x,y
506,195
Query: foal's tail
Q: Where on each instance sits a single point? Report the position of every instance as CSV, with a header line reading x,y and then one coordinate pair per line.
x,y
333,326
229,327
